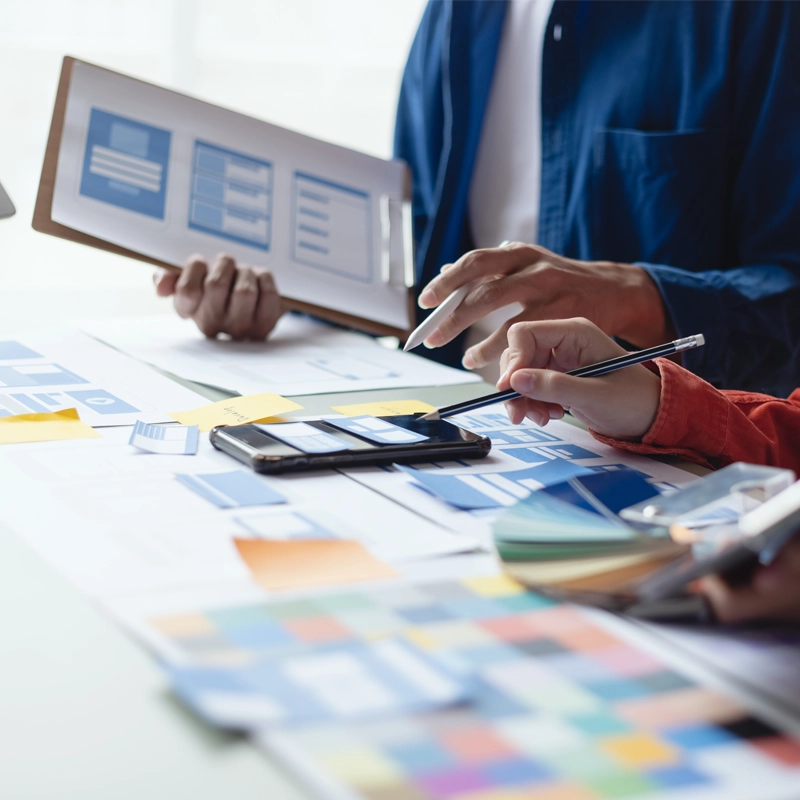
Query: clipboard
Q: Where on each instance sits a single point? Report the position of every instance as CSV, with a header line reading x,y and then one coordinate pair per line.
x,y
44,222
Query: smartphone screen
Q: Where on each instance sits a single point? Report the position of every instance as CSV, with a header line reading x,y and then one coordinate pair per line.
x,y
264,453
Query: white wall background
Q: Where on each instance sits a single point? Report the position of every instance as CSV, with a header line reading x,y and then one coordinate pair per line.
x,y
328,68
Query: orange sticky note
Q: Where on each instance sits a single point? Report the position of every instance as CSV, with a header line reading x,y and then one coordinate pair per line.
x,y
298,564
48,427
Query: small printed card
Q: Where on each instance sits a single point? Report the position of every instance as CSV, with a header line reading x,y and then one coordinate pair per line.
x,y
305,437
176,440
231,489
377,430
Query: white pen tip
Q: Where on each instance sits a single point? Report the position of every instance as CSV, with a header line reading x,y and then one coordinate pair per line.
x,y
700,339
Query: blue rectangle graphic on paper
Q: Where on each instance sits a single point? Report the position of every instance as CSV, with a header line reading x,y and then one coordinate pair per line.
x,y
305,437
178,440
102,402
38,375
231,489
332,227
11,350
377,430
285,525
126,163
349,681
493,489
231,195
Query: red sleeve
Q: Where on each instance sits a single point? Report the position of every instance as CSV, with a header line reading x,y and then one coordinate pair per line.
x,y
713,428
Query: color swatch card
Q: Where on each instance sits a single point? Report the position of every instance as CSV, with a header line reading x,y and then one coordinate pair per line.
x,y
347,682
231,489
305,437
563,709
493,489
377,430
561,705
176,440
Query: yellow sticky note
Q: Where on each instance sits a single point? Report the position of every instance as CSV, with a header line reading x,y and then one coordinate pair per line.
x,y
301,563
50,427
236,411
387,408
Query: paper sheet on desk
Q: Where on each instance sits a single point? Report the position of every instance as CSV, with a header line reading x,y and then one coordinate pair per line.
x,y
558,446
115,520
58,368
300,357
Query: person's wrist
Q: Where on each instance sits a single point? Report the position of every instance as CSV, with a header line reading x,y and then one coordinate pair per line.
x,y
643,321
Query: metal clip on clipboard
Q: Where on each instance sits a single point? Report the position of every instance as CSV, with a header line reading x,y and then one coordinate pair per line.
x,y
397,242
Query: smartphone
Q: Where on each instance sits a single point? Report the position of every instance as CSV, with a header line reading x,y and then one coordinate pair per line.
x,y
266,454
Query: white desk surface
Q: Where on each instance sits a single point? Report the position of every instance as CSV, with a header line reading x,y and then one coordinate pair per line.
x,y
85,713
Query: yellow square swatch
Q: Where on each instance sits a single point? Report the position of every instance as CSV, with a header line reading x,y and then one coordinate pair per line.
x,y
495,586
237,411
640,750
49,427
385,408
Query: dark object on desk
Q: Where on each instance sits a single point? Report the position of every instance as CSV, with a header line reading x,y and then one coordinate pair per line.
x,y
6,206
266,454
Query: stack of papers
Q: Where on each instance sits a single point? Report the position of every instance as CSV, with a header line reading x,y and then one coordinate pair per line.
x,y
300,357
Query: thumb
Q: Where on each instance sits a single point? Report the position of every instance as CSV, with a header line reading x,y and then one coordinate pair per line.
x,y
550,386
165,281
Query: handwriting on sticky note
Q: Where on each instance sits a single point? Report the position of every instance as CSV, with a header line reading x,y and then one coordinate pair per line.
x,y
386,408
236,411
50,427
297,564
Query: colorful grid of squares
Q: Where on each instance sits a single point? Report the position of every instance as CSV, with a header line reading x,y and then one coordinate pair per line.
x,y
562,709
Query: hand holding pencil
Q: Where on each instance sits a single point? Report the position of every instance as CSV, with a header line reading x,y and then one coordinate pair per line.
x,y
621,404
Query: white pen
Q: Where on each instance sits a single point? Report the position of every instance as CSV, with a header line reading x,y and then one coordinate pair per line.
x,y
442,311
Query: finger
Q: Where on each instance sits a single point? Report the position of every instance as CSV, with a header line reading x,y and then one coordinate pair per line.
x,y
189,288
240,311
738,605
491,348
539,412
211,313
269,308
482,300
165,281
550,386
479,265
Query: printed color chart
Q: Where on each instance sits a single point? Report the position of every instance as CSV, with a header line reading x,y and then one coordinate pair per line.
x,y
561,710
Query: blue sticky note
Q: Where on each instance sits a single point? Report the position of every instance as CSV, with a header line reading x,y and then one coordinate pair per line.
x,y
231,489
305,437
377,430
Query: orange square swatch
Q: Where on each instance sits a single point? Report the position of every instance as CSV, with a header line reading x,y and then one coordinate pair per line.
x,y
302,563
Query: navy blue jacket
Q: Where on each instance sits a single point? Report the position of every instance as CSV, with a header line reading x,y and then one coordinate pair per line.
x,y
670,138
